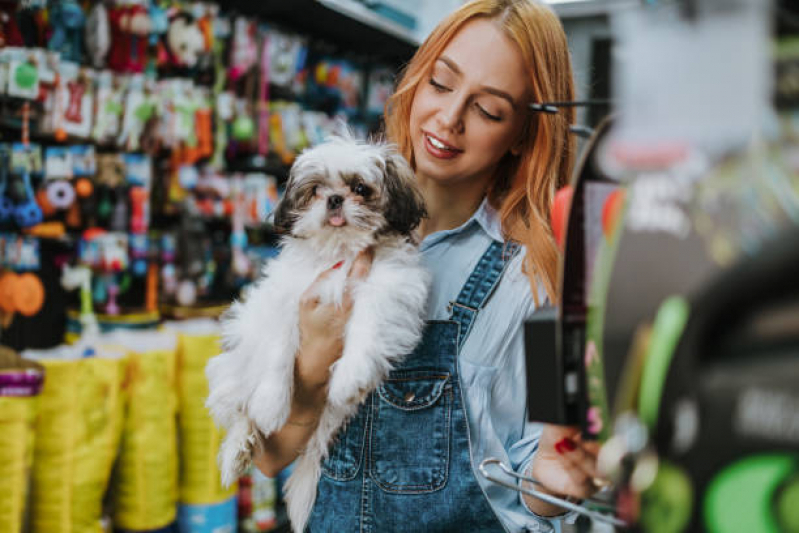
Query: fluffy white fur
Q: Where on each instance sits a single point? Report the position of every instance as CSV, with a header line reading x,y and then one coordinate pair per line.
x,y
251,382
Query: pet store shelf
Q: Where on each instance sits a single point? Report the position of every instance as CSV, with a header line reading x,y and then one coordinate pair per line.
x,y
346,23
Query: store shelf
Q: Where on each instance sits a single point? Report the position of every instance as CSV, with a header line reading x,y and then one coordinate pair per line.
x,y
345,23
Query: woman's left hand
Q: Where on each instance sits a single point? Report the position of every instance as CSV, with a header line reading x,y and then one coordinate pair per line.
x,y
565,465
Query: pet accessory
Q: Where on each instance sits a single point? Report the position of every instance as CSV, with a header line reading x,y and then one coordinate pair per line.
x,y
263,100
112,289
244,52
28,213
67,20
151,289
76,91
138,254
84,187
23,79
6,205
139,219
81,276
28,294
60,194
98,34
184,41
7,281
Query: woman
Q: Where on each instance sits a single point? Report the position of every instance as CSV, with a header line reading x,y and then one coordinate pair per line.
x,y
488,169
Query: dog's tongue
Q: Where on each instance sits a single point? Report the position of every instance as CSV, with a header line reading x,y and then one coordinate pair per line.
x,y
336,220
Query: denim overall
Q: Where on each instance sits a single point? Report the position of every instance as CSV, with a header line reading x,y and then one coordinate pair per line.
x,y
403,462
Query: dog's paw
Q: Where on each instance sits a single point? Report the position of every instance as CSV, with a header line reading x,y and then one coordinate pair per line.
x,y
235,453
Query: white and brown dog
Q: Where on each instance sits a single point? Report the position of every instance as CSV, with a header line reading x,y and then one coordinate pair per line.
x,y
342,197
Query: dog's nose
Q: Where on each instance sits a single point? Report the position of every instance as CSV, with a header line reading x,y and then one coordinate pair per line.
x,y
335,201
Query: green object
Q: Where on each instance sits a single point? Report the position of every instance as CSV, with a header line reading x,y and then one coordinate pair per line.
x,y
243,129
26,76
667,504
740,498
144,112
666,331
787,506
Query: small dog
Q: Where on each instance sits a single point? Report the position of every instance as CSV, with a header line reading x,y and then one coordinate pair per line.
x,y
342,197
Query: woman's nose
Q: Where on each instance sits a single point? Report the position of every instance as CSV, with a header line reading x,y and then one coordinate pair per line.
x,y
451,115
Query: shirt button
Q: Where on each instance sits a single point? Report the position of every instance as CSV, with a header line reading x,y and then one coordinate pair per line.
x,y
409,396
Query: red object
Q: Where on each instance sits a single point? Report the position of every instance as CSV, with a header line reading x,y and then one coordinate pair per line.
x,y
91,233
73,112
338,265
560,214
138,204
611,212
565,445
128,50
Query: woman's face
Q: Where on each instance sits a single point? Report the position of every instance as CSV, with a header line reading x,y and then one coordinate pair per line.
x,y
470,109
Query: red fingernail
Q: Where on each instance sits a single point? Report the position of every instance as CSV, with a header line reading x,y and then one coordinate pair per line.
x,y
338,265
565,445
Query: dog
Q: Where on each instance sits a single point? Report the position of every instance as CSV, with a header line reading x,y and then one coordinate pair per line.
x,y
342,196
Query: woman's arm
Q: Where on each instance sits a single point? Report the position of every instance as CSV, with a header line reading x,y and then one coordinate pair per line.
x,y
321,344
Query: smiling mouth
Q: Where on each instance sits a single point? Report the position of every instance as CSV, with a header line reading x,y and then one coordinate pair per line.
x,y
439,149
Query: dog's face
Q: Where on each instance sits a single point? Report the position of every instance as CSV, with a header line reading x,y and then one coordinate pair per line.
x,y
342,187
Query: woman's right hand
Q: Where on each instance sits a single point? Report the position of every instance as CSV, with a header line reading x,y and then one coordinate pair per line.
x,y
322,333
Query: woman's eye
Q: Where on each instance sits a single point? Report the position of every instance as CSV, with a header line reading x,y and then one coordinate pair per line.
x,y
486,114
361,190
437,86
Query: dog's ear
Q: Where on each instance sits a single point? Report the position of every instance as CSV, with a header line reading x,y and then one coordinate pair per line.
x,y
285,214
404,202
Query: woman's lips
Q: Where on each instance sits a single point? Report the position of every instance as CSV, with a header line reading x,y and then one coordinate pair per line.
x,y
438,148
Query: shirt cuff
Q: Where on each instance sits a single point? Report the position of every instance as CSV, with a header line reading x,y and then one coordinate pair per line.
x,y
567,516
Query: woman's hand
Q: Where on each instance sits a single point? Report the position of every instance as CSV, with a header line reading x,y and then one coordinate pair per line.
x,y
565,465
321,344
322,332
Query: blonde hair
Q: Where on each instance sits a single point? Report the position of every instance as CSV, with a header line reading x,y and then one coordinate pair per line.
x,y
524,185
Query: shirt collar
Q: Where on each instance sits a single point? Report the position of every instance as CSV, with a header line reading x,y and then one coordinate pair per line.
x,y
485,217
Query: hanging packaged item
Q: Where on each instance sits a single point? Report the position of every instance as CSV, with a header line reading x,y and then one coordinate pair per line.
x,y
67,22
77,436
76,100
110,106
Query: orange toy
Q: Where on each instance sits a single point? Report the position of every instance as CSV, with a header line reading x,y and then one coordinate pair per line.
x,y
84,187
7,281
28,294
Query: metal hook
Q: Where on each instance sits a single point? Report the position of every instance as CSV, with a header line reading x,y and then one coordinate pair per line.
x,y
554,500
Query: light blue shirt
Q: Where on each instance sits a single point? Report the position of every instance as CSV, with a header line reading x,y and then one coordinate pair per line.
x,y
491,361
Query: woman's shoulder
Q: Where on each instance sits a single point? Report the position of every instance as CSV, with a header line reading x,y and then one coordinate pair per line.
x,y
514,292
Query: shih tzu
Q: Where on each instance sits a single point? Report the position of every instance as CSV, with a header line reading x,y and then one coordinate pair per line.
x,y
342,197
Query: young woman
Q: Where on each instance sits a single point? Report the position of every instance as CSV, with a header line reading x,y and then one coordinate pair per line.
x,y
488,169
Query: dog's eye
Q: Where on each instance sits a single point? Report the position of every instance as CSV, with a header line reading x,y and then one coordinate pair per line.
x,y
361,190
314,190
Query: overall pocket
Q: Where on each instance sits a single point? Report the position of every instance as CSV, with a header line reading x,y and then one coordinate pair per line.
x,y
344,457
410,437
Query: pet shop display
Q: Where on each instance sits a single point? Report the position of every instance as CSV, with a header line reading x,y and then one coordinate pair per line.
x,y
354,208
145,145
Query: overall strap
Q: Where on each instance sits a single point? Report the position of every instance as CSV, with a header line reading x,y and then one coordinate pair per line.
x,y
480,286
